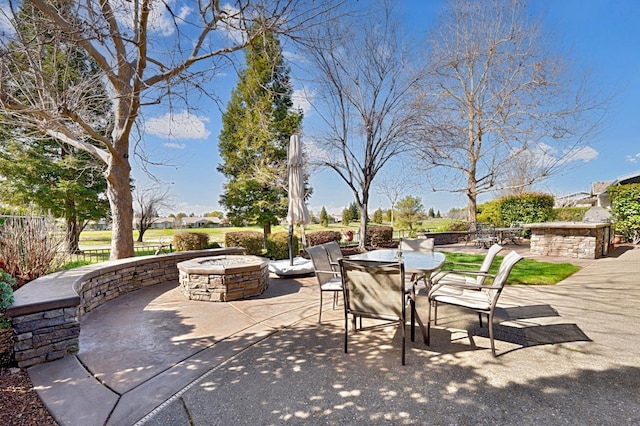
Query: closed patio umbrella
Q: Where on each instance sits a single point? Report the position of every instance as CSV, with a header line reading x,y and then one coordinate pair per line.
x,y
298,213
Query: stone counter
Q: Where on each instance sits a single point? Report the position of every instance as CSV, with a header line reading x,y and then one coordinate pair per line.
x,y
582,240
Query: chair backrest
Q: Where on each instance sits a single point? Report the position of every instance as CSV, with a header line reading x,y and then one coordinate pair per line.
x,y
488,261
373,289
504,270
335,254
417,244
321,263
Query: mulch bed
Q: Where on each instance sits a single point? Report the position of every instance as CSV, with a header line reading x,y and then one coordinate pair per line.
x,y
19,402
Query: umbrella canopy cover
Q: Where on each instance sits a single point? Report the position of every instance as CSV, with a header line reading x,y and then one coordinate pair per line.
x,y
298,213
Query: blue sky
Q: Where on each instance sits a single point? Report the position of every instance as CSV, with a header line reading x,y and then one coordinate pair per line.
x,y
601,35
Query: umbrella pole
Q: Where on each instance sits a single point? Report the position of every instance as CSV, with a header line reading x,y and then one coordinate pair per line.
x,y
291,245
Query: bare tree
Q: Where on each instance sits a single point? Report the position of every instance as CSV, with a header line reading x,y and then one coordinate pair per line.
x,y
392,186
498,98
365,86
148,202
147,54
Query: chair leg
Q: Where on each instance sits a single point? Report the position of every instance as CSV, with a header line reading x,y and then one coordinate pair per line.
x,y
493,346
428,337
480,318
346,332
320,312
403,335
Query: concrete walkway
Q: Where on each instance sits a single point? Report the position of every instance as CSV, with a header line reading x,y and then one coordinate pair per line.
x,y
568,354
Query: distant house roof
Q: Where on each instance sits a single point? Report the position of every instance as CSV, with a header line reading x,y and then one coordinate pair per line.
x,y
600,187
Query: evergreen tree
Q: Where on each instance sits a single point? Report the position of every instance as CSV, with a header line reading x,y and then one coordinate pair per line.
x,y
410,211
324,218
257,125
377,216
431,214
355,211
347,216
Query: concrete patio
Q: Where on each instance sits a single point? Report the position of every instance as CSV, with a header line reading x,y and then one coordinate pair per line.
x,y
567,354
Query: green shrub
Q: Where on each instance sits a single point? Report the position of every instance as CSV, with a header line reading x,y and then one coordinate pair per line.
x,y
321,237
186,241
456,225
569,214
491,213
527,208
6,290
379,235
278,246
625,206
251,241
213,245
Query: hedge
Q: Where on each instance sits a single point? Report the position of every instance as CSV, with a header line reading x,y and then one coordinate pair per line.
x,y
278,246
251,241
321,237
379,235
186,241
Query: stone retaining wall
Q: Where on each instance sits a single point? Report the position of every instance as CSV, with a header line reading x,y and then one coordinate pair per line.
x,y
46,312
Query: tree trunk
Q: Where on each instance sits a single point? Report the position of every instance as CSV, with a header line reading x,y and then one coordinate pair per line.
x,y
72,235
471,210
362,244
121,202
266,231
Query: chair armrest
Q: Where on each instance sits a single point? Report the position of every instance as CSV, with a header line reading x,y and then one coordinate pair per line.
x,y
441,274
320,271
455,285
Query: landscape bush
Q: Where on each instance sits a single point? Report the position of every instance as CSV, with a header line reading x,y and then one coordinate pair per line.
x,y
251,241
321,237
625,207
379,235
569,214
527,208
491,213
31,246
278,246
185,241
456,225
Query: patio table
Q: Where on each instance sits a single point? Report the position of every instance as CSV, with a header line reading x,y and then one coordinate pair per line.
x,y
420,264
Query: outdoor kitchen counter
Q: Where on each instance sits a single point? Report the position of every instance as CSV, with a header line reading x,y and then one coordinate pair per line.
x,y
582,240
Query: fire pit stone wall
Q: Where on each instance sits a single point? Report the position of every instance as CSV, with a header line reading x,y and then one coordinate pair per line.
x,y
223,278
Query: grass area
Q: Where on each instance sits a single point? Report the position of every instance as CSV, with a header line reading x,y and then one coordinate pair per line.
x,y
527,271
90,239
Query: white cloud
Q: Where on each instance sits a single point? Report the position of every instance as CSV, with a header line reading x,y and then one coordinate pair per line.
x,y
159,19
181,125
175,145
584,154
302,99
632,158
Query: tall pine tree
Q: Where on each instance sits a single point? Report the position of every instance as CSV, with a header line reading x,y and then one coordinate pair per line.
x,y
257,125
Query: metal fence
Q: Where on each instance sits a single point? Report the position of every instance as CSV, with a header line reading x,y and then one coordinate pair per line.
x,y
102,254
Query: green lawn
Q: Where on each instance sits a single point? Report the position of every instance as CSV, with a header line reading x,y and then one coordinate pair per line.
x,y
90,239
527,271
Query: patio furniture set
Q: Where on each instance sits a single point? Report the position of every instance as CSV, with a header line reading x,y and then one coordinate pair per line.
x,y
380,284
485,235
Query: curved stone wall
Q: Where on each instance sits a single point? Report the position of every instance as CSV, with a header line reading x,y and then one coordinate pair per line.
x,y
46,312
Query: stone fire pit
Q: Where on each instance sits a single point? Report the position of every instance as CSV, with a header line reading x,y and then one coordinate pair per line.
x,y
223,278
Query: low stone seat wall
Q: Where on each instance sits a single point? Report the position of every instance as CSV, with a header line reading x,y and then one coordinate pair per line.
x,y
46,312
446,237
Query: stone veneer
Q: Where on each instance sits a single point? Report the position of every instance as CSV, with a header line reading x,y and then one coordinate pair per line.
x,y
47,311
582,240
226,278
